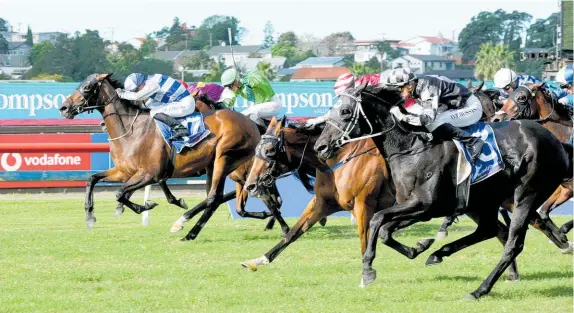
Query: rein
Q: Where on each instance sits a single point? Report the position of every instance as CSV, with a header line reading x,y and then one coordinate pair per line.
x,y
349,158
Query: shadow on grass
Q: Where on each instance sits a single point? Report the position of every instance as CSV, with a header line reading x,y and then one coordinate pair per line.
x,y
457,278
546,275
556,292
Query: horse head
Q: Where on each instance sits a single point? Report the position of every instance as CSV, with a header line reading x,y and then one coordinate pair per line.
x,y
349,120
270,160
524,103
88,96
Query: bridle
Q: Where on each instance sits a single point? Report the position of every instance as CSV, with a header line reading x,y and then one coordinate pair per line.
x,y
273,172
531,94
87,108
358,112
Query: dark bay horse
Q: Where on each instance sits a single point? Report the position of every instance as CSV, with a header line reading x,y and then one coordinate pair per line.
x,y
354,186
424,177
142,157
354,180
535,102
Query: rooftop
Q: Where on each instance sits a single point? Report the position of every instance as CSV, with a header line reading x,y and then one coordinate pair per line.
x,y
172,55
453,74
217,50
324,73
429,58
320,60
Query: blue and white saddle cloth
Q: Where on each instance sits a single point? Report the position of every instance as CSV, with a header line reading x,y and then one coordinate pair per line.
x,y
488,163
195,126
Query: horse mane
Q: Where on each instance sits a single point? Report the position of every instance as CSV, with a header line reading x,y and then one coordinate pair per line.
x,y
115,83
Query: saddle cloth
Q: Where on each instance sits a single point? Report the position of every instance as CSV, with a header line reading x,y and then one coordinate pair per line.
x,y
487,164
195,126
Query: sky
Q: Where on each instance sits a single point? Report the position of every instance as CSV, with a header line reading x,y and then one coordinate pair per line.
x,y
365,19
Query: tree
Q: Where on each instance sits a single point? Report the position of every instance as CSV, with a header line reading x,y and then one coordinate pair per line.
x,y
542,33
29,37
57,58
148,47
268,40
153,66
162,33
336,42
176,34
387,52
215,72
490,59
531,67
266,70
89,49
214,29
4,25
3,45
373,65
288,39
199,61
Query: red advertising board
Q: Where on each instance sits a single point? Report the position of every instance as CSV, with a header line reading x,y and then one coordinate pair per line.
x,y
11,162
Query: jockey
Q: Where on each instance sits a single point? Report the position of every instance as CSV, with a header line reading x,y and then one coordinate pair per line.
x,y
341,85
507,81
253,87
564,78
166,98
212,91
460,107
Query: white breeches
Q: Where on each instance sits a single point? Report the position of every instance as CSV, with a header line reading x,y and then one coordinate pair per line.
x,y
179,108
265,109
468,114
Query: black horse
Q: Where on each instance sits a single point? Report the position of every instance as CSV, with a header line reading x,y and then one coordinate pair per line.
x,y
424,176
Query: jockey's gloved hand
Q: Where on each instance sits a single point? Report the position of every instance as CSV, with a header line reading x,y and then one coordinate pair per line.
x,y
119,91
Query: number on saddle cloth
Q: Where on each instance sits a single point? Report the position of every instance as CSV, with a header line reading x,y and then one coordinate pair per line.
x,y
194,124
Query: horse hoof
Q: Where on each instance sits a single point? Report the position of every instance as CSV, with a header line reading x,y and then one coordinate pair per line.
x,y
150,204
369,277
176,227
441,235
119,211
568,250
182,204
470,296
323,221
425,243
513,278
91,222
433,260
250,265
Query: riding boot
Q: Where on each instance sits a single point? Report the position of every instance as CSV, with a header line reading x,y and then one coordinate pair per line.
x,y
258,121
449,132
179,130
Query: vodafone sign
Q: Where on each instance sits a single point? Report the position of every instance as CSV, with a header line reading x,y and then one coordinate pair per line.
x,y
13,162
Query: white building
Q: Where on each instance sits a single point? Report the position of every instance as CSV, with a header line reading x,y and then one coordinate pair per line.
x,y
321,62
249,64
36,37
223,53
427,45
423,63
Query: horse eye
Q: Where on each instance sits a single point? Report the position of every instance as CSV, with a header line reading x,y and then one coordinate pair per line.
x,y
345,112
271,151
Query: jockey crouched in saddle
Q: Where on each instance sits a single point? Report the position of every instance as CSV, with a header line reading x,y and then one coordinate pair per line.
x,y
506,80
166,97
213,92
253,87
445,106
564,77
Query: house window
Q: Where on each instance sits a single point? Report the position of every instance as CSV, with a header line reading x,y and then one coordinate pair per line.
x,y
448,66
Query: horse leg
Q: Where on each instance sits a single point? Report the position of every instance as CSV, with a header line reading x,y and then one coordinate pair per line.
x,y
567,227
270,224
241,194
386,235
120,208
315,210
273,202
215,197
179,223
112,174
553,233
170,197
505,216
560,195
136,182
443,230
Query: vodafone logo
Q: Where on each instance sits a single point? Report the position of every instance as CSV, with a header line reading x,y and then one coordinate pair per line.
x,y
11,164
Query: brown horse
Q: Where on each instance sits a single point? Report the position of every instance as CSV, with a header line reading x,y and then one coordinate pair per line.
x,y
142,157
533,101
350,181
354,187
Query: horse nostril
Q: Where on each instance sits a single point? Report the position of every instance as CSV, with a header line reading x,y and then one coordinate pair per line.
x,y
64,108
250,187
322,148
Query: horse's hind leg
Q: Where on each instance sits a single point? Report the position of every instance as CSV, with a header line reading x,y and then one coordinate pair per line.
x,y
179,223
386,235
553,233
443,230
120,207
241,195
170,197
136,182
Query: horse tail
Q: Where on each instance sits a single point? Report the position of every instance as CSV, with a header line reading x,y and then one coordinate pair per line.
x,y
570,151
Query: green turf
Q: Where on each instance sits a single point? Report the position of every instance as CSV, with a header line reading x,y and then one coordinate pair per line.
x,y
50,262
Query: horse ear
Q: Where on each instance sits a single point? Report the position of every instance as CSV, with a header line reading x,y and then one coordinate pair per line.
x,y
283,121
101,77
469,84
273,123
538,85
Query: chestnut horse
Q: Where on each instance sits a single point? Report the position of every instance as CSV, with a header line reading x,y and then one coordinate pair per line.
x,y
534,101
142,157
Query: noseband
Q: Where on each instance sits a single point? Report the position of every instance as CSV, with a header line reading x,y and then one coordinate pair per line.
x,y
273,172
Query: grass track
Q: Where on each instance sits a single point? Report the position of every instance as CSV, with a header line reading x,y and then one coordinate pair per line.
x,y
50,262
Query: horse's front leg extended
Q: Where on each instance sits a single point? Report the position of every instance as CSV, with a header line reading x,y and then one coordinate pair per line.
x,y
112,174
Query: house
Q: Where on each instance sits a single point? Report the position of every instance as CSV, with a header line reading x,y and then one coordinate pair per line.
x,y
420,64
136,42
177,57
250,64
36,37
223,53
427,45
454,74
321,62
17,56
311,74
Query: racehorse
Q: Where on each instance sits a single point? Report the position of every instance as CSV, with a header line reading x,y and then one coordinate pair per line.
x,y
283,150
535,102
349,181
425,177
142,156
